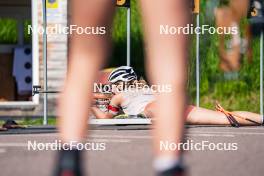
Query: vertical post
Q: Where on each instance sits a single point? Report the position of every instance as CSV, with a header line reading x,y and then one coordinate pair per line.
x,y
44,50
197,63
261,73
128,35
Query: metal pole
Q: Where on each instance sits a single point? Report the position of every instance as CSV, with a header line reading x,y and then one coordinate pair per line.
x,y
197,64
128,35
44,48
261,73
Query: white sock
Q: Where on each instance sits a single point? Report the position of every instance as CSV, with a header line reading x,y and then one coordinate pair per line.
x,y
164,163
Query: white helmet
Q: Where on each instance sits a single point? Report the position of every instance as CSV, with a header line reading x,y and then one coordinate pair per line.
x,y
123,73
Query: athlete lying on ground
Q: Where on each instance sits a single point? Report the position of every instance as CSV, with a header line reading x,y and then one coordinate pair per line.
x,y
136,100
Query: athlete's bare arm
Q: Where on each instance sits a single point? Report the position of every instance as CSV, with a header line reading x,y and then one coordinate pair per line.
x,y
100,114
102,95
113,108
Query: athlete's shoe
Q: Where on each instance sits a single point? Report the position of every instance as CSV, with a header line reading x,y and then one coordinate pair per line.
x,y
68,163
256,16
175,171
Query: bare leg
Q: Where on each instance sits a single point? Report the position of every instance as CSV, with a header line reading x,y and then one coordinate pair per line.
x,y
166,64
253,116
202,116
86,56
239,8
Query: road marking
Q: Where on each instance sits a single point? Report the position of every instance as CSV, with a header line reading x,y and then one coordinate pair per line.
x,y
150,137
144,136
124,137
121,136
13,144
109,140
252,128
210,135
2,150
228,132
29,135
23,144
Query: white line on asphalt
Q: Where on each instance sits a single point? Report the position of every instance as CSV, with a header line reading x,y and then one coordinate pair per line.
x,y
228,132
251,128
2,150
109,140
29,135
139,136
150,137
13,144
22,144
116,138
121,136
210,135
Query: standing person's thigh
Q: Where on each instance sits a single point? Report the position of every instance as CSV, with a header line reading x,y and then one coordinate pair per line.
x,y
90,28
87,50
166,64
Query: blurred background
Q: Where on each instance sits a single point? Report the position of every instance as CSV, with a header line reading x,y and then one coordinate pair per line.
x,y
236,93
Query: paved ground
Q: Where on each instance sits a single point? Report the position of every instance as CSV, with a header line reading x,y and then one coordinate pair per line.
x,y
128,153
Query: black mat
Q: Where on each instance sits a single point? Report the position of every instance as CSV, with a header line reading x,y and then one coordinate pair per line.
x,y
31,130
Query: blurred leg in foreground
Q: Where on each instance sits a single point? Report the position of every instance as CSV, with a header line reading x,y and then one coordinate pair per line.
x,y
86,55
232,45
166,65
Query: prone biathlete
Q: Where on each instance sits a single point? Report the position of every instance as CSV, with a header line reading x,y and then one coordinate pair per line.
x,y
133,97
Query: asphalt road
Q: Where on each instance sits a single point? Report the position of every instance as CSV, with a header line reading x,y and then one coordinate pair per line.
x,y
128,153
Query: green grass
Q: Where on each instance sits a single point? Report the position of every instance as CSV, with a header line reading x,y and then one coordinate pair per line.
x,y
237,94
8,31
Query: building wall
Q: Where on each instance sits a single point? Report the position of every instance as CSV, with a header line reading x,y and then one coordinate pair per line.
x,y
57,61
